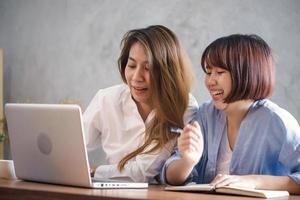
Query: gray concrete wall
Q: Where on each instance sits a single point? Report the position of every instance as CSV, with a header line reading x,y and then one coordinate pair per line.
x,y
57,50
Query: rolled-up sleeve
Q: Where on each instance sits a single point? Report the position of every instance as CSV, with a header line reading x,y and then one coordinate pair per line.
x,y
193,176
290,152
143,168
175,156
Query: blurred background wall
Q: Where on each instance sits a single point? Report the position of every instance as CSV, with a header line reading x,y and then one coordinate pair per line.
x,y
65,50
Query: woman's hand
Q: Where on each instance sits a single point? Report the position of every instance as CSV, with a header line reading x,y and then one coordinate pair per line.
x,y
265,182
248,181
190,146
190,143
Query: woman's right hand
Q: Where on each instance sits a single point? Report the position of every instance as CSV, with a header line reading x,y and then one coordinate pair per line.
x,y
190,147
190,143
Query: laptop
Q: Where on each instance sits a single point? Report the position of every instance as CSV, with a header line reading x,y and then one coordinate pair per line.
x,y
48,145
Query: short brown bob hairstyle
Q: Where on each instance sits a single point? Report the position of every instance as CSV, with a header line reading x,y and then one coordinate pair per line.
x,y
249,60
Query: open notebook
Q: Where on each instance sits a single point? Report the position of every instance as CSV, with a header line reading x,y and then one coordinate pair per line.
x,y
244,191
47,145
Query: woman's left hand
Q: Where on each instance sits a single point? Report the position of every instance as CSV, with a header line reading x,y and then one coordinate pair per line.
x,y
248,181
265,182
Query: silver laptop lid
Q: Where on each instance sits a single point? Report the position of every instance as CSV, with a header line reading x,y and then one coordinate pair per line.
x,y
47,143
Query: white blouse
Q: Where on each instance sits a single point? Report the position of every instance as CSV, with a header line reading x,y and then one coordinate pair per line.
x,y
112,120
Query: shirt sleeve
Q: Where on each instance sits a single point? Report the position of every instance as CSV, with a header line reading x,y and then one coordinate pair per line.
x,y
290,152
92,123
193,176
191,110
142,169
175,156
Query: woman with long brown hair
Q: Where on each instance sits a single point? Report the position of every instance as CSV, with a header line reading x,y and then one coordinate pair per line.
x,y
132,121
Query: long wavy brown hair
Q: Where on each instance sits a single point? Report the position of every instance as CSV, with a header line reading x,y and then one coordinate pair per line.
x,y
171,78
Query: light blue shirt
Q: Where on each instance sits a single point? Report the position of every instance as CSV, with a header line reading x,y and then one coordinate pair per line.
x,y
268,143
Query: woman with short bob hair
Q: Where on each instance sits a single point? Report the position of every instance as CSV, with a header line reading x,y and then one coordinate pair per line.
x,y
253,76
243,139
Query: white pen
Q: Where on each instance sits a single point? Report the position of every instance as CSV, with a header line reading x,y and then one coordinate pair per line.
x,y
176,130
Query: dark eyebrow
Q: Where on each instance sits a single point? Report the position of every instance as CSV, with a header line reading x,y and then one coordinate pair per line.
x,y
130,58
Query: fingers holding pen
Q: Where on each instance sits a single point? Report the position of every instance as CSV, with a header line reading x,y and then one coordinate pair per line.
x,y
192,134
188,139
190,142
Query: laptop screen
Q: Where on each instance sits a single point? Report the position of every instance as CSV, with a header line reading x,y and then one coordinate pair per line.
x,y
48,145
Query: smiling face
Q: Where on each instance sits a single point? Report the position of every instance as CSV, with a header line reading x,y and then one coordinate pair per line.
x,y
137,74
219,84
